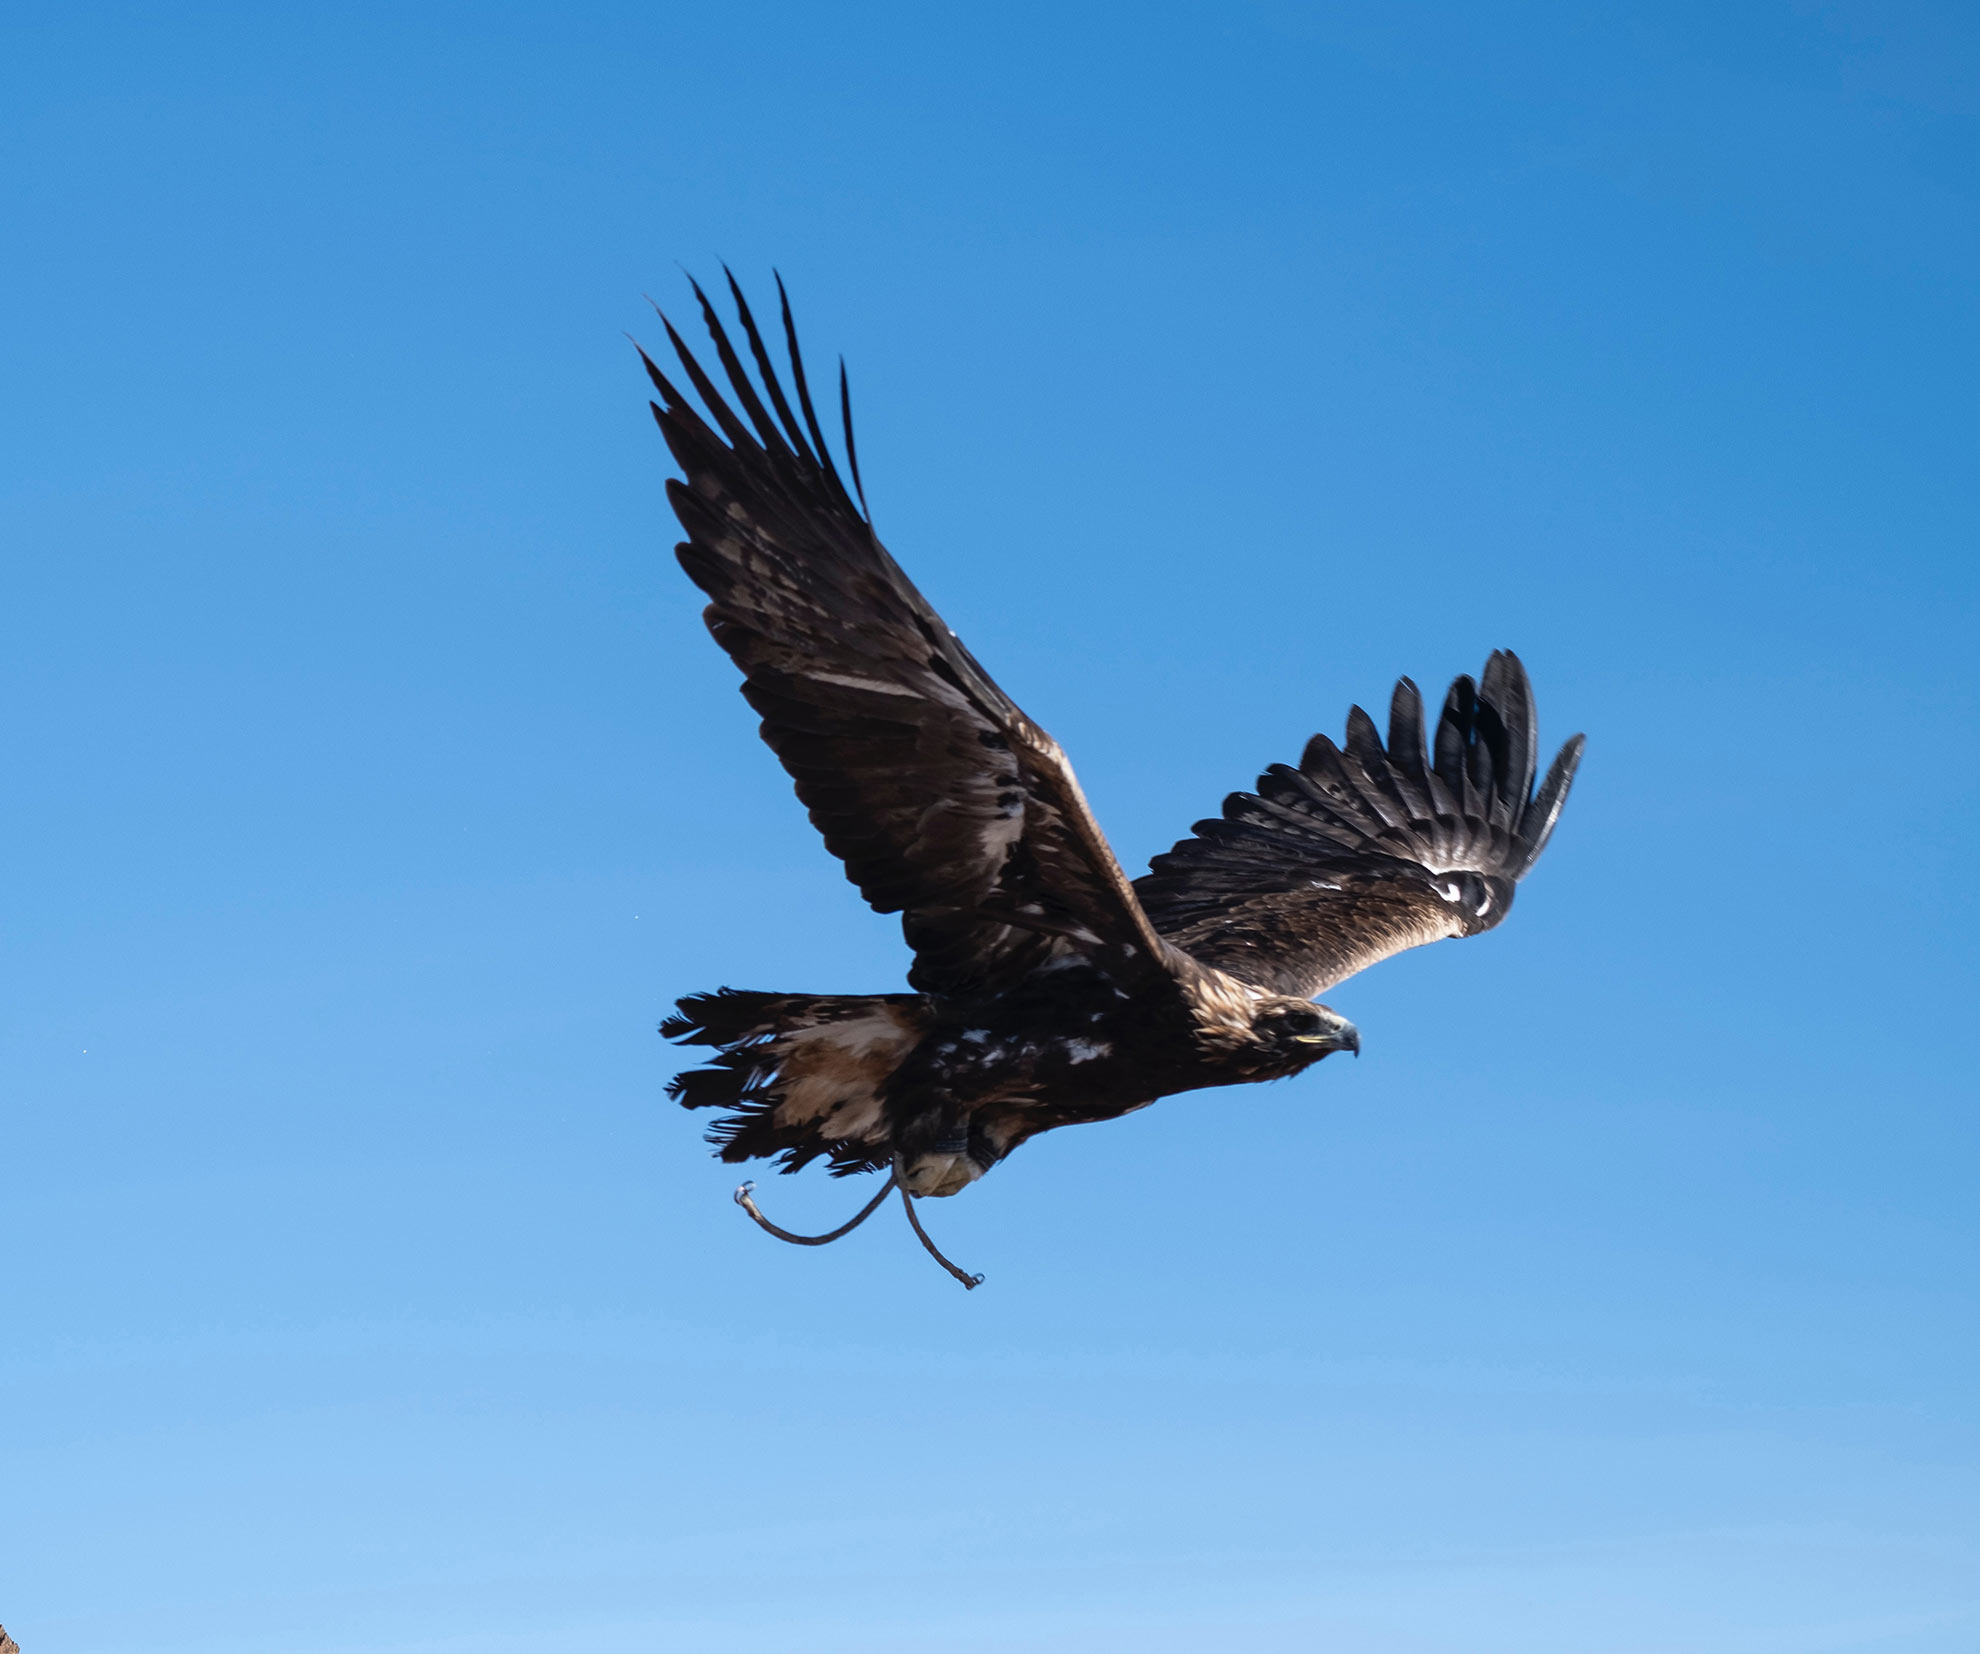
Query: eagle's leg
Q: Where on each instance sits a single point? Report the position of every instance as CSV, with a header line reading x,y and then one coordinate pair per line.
x,y
930,1166
749,1205
970,1282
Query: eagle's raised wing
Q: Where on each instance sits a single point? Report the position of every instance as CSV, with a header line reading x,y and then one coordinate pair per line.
x,y
944,801
1361,853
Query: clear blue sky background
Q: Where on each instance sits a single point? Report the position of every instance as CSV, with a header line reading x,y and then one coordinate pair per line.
x,y
370,787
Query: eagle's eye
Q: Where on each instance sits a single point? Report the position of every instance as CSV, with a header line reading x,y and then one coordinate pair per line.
x,y
1293,1022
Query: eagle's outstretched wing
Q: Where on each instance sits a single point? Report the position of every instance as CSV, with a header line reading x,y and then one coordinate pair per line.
x,y
1361,853
944,801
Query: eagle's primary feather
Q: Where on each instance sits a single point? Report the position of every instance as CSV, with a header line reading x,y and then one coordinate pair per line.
x,y
944,801
1366,850
1048,990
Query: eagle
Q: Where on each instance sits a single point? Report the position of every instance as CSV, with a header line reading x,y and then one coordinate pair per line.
x,y
1047,988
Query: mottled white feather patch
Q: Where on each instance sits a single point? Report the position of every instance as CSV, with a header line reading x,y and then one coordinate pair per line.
x,y
830,1075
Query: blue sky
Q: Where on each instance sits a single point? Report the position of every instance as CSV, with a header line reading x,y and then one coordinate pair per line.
x,y
371,788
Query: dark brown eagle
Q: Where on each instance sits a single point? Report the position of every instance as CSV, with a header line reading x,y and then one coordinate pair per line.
x,y
1048,990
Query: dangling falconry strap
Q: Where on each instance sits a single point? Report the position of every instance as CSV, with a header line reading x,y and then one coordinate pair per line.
x,y
749,1205
745,1200
970,1282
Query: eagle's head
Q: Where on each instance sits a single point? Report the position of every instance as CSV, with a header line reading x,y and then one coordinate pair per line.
x,y
1295,1033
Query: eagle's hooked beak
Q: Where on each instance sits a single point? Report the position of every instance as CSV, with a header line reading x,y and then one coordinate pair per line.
x,y
1338,1035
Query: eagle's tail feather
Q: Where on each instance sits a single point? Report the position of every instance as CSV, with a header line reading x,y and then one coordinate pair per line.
x,y
802,1075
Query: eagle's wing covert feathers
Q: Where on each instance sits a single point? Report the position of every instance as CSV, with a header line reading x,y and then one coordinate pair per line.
x,y
943,800
1363,852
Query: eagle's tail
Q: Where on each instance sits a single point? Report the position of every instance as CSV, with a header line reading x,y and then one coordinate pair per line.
x,y
802,1075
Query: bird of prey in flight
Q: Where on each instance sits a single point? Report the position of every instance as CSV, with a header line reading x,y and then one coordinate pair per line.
x,y
1047,988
